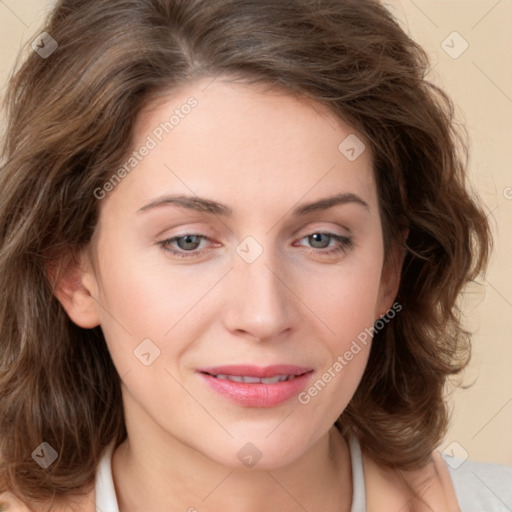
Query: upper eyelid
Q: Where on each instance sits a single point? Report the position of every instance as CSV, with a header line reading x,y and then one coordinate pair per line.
x,y
305,234
295,232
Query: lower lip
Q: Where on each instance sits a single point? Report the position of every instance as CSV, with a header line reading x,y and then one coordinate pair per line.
x,y
257,395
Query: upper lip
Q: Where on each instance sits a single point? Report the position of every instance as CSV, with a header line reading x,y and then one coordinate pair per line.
x,y
256,371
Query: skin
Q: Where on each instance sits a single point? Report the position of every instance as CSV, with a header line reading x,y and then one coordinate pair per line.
x,y
262,153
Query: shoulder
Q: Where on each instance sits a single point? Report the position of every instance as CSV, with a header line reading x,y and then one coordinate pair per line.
x,y
480,486
445,484
9,502
83,503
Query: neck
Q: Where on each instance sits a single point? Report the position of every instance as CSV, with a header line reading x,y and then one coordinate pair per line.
x,y
159,473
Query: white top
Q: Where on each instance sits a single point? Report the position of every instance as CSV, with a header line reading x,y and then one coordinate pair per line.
x,y
479,487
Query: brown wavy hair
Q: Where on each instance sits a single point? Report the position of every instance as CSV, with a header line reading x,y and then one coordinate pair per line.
x,y
70,121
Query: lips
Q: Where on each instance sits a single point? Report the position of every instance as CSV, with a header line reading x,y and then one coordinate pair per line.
x,y
254,386
245,370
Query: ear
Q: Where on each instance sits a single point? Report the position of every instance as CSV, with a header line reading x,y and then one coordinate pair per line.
x,y
75,286
390,276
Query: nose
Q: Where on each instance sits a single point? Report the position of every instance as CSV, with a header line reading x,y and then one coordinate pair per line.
x,y
261,304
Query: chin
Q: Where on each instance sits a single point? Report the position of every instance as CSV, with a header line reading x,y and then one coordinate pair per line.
x,y
260,452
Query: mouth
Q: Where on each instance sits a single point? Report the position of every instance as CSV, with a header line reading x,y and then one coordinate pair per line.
x,y
253,386
253,380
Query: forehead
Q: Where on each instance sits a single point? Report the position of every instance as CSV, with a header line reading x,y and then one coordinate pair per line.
x,y
249,141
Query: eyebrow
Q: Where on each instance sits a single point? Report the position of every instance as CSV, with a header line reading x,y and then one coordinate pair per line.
x,y
202,204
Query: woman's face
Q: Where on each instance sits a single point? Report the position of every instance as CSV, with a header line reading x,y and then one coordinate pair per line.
x,y
280,274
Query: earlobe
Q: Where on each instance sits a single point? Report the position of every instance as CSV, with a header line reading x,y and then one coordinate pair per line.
x,y
73,285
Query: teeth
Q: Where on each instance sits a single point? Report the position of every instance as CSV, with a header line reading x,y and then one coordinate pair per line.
x,y
250,380
236,378
255,380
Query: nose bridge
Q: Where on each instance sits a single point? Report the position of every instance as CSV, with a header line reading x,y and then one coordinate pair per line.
x,y
260,301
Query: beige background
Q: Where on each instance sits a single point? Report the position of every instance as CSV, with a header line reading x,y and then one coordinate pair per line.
x,y
480,82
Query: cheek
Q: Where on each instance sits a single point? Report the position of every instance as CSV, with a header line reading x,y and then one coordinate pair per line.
x,y
346,310
135,289
344,297
133,305
345,304
142,300
160,301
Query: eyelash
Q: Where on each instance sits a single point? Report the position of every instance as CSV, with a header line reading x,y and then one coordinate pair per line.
x,y
344,241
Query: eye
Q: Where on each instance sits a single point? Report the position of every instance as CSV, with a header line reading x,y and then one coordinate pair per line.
x,y
188,244
323,240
